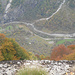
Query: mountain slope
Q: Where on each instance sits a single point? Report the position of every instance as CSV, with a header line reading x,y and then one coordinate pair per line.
x,y
29,10
50,16
62,14
61,22
3,4
26,38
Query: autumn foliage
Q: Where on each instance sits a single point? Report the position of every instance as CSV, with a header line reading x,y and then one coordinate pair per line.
x,y
1,56
62,52
11,50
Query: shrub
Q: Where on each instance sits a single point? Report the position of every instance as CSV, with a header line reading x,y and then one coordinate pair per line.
x,y
31,71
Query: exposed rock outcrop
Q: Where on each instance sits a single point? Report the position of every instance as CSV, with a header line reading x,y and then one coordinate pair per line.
x,y
52,67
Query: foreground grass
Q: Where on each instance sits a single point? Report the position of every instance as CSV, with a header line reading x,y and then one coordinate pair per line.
x,y
31,71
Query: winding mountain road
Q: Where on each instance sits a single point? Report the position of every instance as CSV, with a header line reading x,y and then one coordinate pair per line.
x,y
52,14
32,24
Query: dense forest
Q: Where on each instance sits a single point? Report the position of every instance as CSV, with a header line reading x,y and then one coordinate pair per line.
x,y
61,22
30,10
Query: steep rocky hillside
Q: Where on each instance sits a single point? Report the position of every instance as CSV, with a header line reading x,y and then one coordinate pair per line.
x,y
29,10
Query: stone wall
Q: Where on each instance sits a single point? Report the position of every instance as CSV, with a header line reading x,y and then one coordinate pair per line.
x,y
52,67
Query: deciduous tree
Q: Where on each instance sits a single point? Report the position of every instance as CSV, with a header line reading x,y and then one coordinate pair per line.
x,y
58,52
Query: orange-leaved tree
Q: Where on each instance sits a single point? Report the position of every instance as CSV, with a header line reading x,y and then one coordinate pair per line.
x,y
71,55
11,50
8,51
71,47
59,52
1,56
21,53
2,38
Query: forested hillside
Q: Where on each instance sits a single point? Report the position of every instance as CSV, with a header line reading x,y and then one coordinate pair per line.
x,y
11,50
61,22
37,25
32,10
3,4
35,9
29,10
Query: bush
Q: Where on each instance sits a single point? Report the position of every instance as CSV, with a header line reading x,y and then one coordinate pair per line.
x,y
30,71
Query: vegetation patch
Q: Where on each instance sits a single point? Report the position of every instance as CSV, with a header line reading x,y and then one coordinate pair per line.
x,y
27,39
0,28
60,22
62,52
1,8
36,9
11,50
9,27
63,41
31,71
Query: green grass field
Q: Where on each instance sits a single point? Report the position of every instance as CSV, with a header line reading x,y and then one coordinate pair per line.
x,y
63,41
